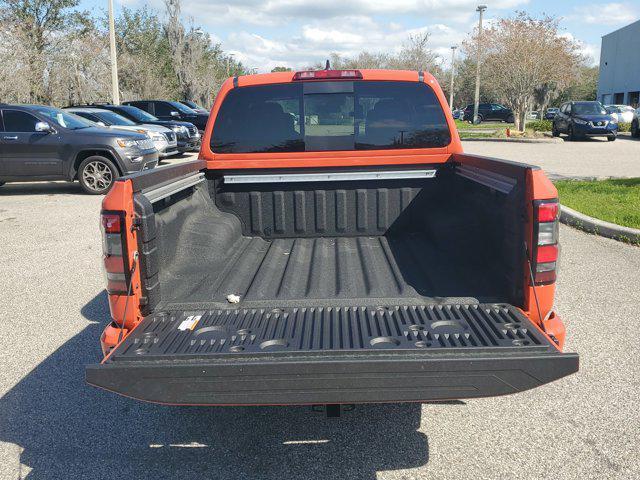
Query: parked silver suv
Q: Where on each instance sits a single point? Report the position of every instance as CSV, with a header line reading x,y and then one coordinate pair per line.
x,y
163,138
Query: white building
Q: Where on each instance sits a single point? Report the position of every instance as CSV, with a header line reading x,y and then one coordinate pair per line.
x,y
619,81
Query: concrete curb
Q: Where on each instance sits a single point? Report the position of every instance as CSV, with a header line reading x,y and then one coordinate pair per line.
x,y
513,140
589,224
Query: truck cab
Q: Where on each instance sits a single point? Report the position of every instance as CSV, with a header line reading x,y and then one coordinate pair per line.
x,y
333,244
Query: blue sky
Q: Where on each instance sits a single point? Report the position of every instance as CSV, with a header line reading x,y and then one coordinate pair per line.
x,y
297,33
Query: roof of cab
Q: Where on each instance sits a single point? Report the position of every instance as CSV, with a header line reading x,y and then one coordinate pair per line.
x,y
380,75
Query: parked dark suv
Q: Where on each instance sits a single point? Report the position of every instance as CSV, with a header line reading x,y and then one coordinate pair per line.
x,y
187,133
169,110
194,106
46,143
489,112
584,119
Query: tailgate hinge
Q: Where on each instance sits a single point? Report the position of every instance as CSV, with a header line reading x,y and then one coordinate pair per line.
x,y
136,223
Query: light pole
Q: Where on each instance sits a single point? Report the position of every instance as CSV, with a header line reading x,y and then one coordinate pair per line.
x,y
453,74
115,91
480,10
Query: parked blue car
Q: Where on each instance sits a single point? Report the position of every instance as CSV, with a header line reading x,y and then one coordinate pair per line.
x,y
585,119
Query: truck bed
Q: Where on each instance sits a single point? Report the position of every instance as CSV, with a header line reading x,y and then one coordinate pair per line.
x,y
436,240
331,355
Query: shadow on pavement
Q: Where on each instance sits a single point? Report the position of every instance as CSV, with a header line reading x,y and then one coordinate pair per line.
x,y
41,188
70,430
628,138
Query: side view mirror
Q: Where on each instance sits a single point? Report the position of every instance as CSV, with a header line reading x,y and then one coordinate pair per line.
x,y
43,127
174,113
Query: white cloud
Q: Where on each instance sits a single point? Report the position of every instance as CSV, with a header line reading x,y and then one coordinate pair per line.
x,y
282,12
589,50
317,40
607,13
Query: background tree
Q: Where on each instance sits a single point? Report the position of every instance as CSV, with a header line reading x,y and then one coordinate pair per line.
x,y
414,54
585,86
15,83
38,25
280,69
144,60
465,84
78,71
522,54
199,66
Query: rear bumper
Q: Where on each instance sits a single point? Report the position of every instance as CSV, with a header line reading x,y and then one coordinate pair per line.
x,y
360,378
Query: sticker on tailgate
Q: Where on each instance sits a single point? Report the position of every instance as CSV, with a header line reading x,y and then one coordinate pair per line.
x,y
189,323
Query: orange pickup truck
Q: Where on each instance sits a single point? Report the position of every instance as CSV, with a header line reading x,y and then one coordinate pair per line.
x,y
332,245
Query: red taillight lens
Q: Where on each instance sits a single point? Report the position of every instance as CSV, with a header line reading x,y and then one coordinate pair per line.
x,y
546,252
114,252
328,75
548,212
111,223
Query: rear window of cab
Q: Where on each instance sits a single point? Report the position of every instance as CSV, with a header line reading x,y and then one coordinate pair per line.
x,y
329,116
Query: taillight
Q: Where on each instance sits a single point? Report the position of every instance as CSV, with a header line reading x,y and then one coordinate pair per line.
x,y
114,250
328,75
548,212
546,250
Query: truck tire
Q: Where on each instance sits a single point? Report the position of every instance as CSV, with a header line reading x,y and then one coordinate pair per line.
x,y
571,134
635,129
96,175
611,138
554,131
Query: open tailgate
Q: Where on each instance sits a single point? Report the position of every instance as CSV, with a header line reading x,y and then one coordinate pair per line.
x,y
316,355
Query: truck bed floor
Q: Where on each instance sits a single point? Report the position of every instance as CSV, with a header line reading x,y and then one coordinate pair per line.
x,y
343,269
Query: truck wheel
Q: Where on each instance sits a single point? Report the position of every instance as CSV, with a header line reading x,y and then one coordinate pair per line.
x,y
570,132
511,119
554,131
611,138
635,129
96,175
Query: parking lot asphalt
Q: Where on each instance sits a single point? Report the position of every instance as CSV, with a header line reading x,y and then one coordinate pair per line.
x,y
53,426
581,159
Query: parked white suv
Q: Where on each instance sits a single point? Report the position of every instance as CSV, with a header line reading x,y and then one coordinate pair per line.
x,y
622,113
635,124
